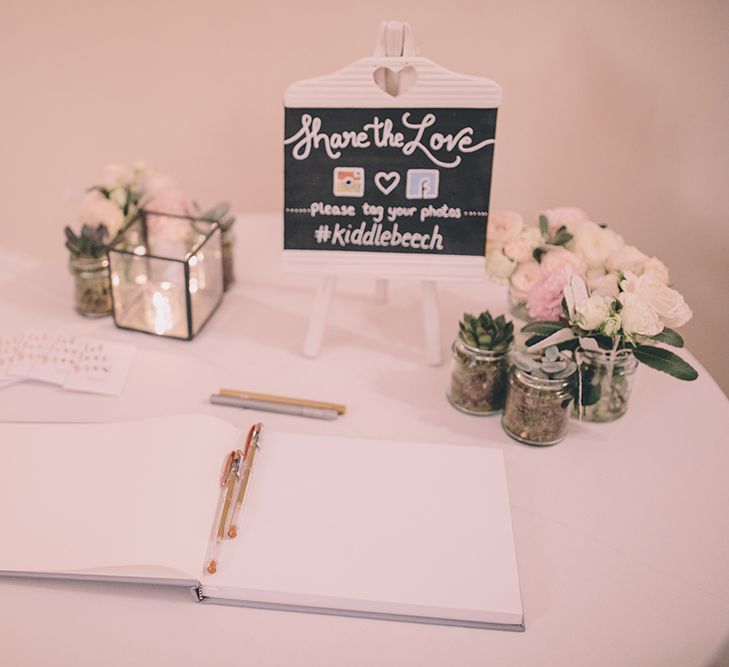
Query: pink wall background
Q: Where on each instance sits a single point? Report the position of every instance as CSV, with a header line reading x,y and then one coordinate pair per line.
x,y
618,107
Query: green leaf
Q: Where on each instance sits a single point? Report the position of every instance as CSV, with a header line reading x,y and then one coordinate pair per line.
x,y
543,328
669,337
666,361
561,237
544,225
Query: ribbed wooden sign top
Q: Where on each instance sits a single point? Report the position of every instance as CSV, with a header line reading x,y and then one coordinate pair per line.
x,y
389,185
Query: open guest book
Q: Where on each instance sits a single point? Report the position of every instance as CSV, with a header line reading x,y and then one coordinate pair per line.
x,y
333,525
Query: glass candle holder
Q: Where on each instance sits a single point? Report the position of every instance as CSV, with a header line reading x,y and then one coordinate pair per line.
x,y
166,274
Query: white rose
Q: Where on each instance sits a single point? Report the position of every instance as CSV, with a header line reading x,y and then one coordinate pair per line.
x,y
612,325
667,302
114,176
499,265
638,316
524,278
565,216
591,313
594,244
557,258
657,267
503,226
95,209
626,258
605,284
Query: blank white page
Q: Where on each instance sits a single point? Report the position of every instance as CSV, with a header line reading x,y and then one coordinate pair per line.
x,y
374,526
135,497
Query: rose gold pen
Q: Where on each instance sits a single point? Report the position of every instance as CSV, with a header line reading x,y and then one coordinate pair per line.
x,y
231,471
249,455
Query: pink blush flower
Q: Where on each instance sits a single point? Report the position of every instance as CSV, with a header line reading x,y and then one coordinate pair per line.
x,y
544,301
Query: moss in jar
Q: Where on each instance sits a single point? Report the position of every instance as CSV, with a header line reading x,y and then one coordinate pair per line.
x,y
539,399
480,363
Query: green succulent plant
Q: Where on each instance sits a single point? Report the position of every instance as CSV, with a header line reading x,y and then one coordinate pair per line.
x,y
486,332
91,242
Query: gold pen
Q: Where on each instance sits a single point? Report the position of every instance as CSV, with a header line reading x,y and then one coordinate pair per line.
x,y
249,455
231,471
284,400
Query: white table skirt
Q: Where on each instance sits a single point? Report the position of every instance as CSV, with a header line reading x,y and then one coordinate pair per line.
x,y
621,530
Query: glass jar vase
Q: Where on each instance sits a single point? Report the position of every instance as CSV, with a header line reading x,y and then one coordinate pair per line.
x,y
92,287
478,379
606,380
537,410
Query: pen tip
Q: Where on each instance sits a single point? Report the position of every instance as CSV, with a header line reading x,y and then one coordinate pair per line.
x,y
233,531
212,567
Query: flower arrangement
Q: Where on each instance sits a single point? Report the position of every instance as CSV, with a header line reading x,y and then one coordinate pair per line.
x,y
122,193
637,319
533,259
590,292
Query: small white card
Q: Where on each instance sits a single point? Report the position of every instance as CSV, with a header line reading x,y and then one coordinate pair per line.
x,y
76,363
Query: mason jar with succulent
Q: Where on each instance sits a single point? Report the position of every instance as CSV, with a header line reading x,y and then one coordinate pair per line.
x,y
539,398
89,266
481,363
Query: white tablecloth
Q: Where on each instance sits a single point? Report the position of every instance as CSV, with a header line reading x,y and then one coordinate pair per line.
x,y
621,530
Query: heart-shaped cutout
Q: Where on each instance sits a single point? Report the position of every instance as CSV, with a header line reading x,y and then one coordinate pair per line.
x,y
395,82
387,181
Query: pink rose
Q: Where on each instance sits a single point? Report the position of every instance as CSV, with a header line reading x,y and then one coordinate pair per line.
x,y
502,226
173,202
558,258
544,301
524,279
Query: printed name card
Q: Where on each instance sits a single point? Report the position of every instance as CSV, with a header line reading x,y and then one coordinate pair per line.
x,y
389,184
76,363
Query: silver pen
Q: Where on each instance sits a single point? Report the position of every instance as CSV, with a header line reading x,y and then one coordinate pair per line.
x,y
266,406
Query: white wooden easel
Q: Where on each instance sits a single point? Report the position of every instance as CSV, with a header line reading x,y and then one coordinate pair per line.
x,y
395,68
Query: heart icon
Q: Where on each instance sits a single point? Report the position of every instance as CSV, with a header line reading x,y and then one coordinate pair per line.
x,y
387,181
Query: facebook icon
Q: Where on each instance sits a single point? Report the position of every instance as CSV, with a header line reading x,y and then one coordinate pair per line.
x,y
422,184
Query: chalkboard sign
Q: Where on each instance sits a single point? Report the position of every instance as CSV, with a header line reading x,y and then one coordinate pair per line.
x,y
389,184
388,180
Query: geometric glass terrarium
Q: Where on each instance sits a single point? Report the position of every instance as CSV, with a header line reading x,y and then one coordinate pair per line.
x,y
166,274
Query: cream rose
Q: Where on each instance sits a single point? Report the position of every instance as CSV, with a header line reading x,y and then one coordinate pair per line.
x,y
591,313
557,258
638,316
626,258
499,265
668,303
565,216
95,209
518,249
524,278
657,267
503,226
605,284
594,244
